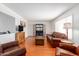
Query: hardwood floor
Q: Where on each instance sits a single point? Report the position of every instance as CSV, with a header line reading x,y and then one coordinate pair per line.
x,y
36,50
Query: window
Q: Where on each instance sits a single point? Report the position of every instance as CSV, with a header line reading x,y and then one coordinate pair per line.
x,y
59,26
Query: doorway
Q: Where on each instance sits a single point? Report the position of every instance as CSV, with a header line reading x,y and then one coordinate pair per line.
x,y
38,29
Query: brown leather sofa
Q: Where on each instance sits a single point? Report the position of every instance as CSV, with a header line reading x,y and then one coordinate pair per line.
x,y
11,49
55,38
67,50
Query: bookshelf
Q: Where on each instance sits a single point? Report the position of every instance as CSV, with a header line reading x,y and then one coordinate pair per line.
x,y
39,29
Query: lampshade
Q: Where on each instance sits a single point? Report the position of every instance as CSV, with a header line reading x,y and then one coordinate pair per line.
x,y
67,25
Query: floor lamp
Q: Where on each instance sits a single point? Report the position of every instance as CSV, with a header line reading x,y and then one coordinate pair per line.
x,y
67,26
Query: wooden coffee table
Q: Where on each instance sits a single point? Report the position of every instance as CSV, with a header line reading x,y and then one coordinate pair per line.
x,y
39,40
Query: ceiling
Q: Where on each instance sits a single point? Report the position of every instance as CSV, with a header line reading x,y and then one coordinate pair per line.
x,y
39,11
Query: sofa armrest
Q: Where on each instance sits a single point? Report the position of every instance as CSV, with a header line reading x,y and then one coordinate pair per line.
x,y
56,39
9,44
16,52
1,50
48,35
67,54
63,52
68,47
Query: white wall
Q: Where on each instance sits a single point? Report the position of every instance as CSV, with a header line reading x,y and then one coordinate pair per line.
x,y
12,13
26,28
8,37
7,23
59,26
75,24
11,37
53,26
8,11
46,23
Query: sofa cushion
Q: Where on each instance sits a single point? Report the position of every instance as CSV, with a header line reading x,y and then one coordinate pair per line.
x,y
11,48
15,52
59,35
9,44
